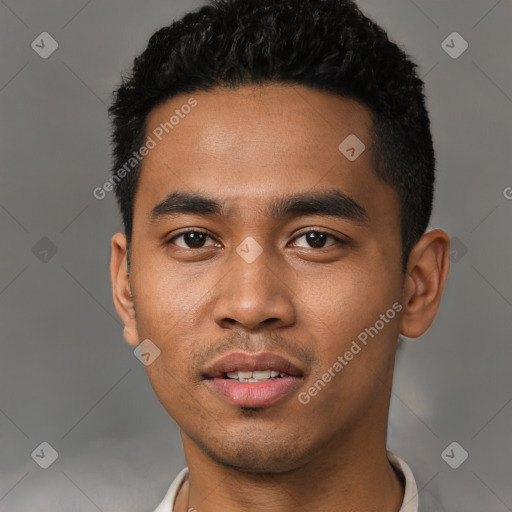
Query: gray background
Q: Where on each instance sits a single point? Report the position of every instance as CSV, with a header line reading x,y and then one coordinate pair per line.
x,y
66,375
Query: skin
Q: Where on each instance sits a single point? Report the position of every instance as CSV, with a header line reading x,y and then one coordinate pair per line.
x,y
245,148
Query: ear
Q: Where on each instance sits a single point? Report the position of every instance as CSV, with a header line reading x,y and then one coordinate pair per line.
x,y
427,271
123,300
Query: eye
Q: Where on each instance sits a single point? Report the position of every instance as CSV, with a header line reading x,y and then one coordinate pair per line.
x,y
317,240
197,240
190,240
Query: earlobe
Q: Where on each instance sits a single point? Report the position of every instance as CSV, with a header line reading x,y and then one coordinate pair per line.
x,y
130,333
427,272
121,290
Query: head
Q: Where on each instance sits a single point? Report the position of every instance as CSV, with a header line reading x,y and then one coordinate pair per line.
x,y
244,108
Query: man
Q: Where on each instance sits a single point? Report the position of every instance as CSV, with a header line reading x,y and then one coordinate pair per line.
x,y
274,168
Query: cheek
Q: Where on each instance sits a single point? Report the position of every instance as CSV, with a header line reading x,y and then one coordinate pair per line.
x,y
346,300
165,297
168,318
352,313
171,388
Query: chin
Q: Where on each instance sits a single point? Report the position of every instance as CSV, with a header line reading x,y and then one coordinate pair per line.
x,y
253,453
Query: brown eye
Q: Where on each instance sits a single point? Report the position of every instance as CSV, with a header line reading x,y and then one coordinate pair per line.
x,y
191,240
317,240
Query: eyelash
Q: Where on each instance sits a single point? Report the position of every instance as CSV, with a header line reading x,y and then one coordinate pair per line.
x,y
339,241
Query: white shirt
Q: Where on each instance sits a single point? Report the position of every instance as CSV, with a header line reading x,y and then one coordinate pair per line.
x,y
412,502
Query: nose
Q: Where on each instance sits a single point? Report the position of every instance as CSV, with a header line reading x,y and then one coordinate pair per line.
x,y
254,295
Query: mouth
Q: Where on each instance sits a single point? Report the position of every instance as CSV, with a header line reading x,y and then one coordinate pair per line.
x,y
249,380
255,376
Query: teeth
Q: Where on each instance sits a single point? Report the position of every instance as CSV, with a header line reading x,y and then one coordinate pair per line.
x,y
261,374
255,376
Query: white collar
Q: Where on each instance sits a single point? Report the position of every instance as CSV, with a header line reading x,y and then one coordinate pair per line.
x,y
409,503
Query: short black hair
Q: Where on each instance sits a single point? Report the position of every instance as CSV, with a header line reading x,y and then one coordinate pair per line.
x,y
328,45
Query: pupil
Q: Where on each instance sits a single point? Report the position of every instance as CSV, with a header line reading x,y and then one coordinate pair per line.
x,y
194,240
316,239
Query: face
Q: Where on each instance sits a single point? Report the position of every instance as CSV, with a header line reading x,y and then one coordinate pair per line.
x,y
255,235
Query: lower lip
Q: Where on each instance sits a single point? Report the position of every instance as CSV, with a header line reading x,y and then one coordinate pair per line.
x,y
254,394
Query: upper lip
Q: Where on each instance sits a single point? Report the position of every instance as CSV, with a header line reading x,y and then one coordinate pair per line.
x,y
244,361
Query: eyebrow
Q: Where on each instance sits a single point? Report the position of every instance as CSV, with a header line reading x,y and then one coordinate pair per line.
x,y
331,203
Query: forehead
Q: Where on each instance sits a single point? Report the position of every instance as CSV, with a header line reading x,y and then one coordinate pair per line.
x,y
254,143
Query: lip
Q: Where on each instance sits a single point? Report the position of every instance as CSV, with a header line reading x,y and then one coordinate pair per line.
x,y
253,394
245,362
